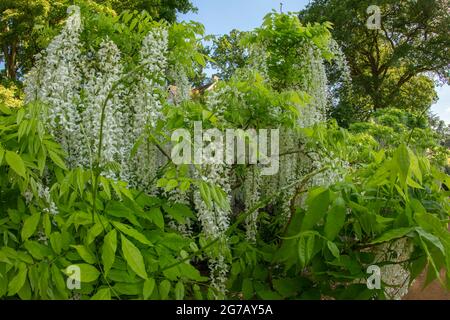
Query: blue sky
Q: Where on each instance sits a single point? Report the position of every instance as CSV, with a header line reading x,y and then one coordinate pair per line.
x,y
219,17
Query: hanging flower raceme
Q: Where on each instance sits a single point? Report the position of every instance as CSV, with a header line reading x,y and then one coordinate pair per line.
x,y
102,102
252,197
144,104
215,222
56,81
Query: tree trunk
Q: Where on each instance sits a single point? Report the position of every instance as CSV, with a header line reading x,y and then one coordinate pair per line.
x,y
10,55
10,59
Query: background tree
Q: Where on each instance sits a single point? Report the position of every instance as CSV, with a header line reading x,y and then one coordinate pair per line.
x,y
441,128
228,53
385,64
159,9
26,26
18,20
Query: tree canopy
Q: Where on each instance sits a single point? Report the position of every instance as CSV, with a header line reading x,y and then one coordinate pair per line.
x,y
26,26
412,41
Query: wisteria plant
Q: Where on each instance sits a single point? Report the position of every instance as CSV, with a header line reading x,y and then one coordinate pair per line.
x,y
94,207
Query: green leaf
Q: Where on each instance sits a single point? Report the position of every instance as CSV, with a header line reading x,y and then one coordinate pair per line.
x,y
20,115
41,159
47,225
85,254
5,109
57,160
4,258
121,275
415,168
392,234
102,294
93,233
247,289
56,242
109,250
205,194
18,281
335,219
402,159
129,289
88,273
29,226
106,188
119,210
179,212
37,250
2,153
133,23
58,278
179,291
184,185
215,195
132,233
171,184
433,273
16,163
287,287
197,292
149,286
79,177
318,202
268,295
432,238
333,249
155,215
412,183
164,289
191,273
305,249
133,257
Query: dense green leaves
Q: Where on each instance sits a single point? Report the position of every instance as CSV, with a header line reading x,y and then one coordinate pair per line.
x,y
47,238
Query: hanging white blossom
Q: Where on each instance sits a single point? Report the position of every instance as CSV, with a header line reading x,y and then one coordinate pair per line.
x,y
252,196
100,78
56,80
144,110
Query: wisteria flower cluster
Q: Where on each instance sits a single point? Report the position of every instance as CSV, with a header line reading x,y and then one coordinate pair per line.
x,y
91,109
